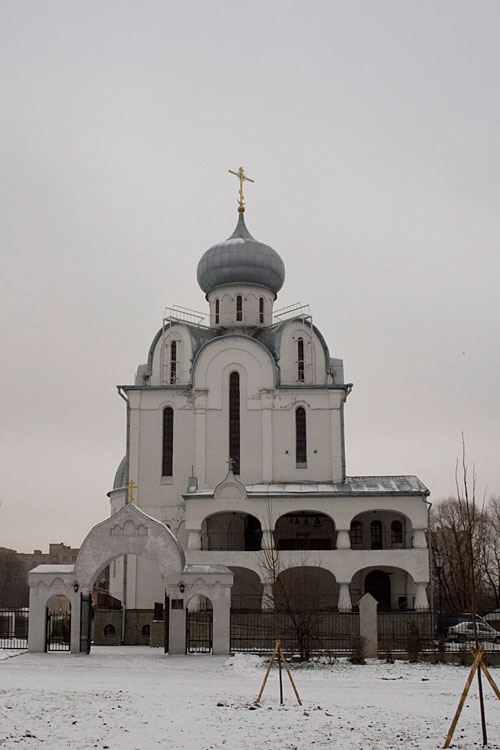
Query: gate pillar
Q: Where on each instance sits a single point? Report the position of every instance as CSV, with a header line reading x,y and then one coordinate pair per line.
x,y
222,622
177,627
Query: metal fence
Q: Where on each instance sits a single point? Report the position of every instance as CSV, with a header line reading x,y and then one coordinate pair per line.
x,y
14,627
403,631
304,633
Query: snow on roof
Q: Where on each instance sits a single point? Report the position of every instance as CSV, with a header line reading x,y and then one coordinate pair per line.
x,y
53,569
398,485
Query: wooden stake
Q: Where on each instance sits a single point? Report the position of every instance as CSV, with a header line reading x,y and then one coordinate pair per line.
x,y
281,656
290,676
463,697
490,679
276,647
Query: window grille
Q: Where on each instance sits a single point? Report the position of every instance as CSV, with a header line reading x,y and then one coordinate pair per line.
x,y
234,420
261,309
168,442
239,307
396,532
173,362
300,360
376,535
356,532
217,311
300,438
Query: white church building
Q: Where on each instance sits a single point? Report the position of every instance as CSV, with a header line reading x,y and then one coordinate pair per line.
x,y
235,441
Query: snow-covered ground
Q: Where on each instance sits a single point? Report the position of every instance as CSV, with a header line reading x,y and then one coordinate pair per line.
x,y
136,698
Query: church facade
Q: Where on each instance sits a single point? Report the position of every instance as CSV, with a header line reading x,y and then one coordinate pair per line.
x,y
235,441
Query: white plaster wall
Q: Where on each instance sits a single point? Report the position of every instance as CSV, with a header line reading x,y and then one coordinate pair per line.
x,y
161,356
314,356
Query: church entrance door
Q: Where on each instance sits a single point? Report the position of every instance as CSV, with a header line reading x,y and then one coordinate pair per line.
x,y
378,584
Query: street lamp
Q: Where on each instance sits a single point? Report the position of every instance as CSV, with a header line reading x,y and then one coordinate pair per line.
x,y
438,562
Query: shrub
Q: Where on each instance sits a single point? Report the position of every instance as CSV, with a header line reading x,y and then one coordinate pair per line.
x,y
357,650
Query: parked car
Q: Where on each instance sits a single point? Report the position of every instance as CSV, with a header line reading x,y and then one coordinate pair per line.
x,y
445,620
465,631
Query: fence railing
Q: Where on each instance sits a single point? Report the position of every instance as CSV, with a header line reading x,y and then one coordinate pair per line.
x,y
14,627
301,633
231,541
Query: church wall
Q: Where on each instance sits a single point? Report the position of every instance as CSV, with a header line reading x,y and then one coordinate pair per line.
x,y
314,355
161,371
323,435
250,306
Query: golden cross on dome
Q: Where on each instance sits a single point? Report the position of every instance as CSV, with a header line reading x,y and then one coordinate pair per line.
x,y
240,174
131,487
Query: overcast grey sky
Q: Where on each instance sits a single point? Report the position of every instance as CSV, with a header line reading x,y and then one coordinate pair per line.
x,y
372,132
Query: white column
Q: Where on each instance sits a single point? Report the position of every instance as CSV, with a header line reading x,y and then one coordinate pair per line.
x,y
343,539
199,460
344,598
267,539
194,540
419,539
267,437
421,601
268,596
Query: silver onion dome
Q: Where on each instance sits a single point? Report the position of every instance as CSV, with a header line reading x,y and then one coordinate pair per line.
x,y
241,259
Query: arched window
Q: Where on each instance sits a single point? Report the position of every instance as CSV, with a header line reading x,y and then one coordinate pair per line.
x,y
146,630
396,532
300,438
173,362
234,421
261,309
109,630
300,360
356,532
168,442
376,534
217,311
239,307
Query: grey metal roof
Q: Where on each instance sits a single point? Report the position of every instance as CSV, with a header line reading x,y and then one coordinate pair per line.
x,y
121,476
241,259
353,486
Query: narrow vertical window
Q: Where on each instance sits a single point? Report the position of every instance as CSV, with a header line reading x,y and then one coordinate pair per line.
x,y
217,311
376,535
300,360
173,362
261,309
356,533
396,532
300,438
168,442
234,421
239,307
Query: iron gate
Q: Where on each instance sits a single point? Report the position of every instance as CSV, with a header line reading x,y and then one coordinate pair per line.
x,y
14,627
58,631
199,631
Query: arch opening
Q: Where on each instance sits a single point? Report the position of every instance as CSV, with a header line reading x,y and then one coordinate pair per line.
x,y
381,529
231,530
305,530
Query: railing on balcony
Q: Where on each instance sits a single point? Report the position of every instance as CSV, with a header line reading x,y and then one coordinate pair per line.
x,y
237,542
306,541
